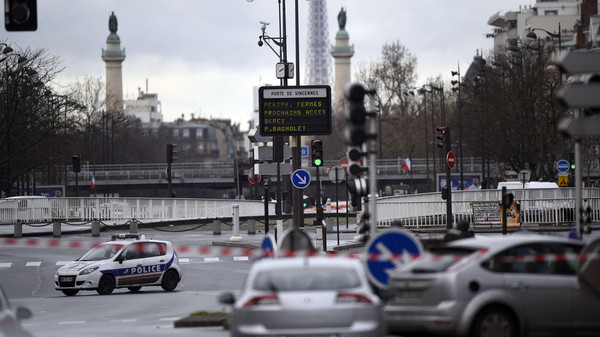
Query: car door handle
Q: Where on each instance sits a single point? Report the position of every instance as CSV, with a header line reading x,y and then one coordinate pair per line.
x,y
162,260
139,265
519,286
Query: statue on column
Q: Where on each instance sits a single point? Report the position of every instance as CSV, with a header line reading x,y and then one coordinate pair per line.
x,y
342,19
112,23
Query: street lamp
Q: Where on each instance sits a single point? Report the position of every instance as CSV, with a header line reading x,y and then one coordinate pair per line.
x,y
532,35
424,91
420,92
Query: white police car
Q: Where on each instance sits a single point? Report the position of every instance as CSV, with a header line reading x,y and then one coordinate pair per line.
x,y
128,261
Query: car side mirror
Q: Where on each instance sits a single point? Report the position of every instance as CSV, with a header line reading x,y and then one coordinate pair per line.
x,y
121,258
227,298
385,294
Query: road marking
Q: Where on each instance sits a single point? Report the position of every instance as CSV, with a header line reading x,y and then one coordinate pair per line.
x,y
169,318
211,259
184,260
129,320
5,264
240,258
72,322
33,264
61,263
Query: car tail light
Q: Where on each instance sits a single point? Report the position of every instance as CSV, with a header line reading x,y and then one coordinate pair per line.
x,y
352,298
270,299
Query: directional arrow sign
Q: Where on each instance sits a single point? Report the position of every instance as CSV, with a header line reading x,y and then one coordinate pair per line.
x,y
300,178
579,62
580,95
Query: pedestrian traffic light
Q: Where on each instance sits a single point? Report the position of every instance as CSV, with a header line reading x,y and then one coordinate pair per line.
x,y
76,164
444,138
316,149
171,153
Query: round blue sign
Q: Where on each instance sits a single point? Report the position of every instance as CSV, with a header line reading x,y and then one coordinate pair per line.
x,y
268,247
389,250
562,166
300,178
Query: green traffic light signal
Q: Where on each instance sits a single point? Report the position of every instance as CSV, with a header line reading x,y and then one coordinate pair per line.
x,y
572,166
318,162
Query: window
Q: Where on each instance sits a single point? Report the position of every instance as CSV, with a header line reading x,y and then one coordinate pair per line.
x,y
307,279
134,251
535,258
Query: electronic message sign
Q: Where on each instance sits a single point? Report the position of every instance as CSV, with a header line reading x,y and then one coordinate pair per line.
x,y
287,111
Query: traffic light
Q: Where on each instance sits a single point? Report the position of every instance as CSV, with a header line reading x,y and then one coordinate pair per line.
x,y
444,193
76,164
592,80
572,160
20,15
316,150
355,134
171,153
444,138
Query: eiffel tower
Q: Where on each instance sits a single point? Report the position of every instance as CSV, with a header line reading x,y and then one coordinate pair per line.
x,y
318,62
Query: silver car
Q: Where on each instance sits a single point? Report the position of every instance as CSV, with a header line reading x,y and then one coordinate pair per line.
x,y
516,285
306,296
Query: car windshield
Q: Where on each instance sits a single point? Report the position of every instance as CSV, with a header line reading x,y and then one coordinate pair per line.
x,y
102,252
306,279
438,260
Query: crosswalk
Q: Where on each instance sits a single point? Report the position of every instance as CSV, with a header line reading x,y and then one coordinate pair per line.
x,y
182,260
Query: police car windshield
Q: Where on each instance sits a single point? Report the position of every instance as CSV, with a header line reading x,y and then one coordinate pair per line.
x,y
102,252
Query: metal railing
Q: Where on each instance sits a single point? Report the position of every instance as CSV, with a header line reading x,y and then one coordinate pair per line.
x,y
537,206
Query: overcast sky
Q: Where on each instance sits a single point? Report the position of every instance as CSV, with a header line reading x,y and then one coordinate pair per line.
x,y
202,56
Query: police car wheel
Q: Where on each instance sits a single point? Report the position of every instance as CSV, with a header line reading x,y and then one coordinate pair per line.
x,y
134,289
70,292
106,285
170,280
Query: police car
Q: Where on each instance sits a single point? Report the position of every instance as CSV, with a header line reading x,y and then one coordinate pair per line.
x,y
128,261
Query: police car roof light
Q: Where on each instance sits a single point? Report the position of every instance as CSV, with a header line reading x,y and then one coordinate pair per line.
x,y
124,236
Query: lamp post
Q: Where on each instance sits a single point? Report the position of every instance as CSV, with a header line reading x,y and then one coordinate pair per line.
x,y
424,91
412,93
560,81
542,171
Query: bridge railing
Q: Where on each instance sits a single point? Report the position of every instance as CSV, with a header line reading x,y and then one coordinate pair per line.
x,y
537,206
89,209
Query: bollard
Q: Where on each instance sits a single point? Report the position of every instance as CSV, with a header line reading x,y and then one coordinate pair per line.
x,y
133,226
251,226
56,226
329,224
319,243
18,232
216,227
236,224
95,228
279,227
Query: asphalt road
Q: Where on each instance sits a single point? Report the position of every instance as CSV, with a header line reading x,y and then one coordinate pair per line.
x,y
27,276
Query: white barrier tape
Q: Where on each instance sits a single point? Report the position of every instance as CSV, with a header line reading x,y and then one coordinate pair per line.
x,y
257,253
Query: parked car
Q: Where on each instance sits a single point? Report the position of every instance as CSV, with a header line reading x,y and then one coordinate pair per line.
x,y
128,261
301,296
516,285
10,318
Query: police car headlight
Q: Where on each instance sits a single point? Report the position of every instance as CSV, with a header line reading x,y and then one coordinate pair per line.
x,y
89,270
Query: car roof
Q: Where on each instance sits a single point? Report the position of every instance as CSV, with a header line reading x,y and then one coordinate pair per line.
x,y
499,241
303,262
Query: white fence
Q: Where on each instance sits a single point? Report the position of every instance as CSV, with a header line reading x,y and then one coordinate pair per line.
x,y
537,206
31,210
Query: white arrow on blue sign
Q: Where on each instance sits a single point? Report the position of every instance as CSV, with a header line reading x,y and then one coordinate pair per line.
x,y
268,248
562,165
300,178
389,250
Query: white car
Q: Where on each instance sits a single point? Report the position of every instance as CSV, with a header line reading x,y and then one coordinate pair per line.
x,y
129,261
306,296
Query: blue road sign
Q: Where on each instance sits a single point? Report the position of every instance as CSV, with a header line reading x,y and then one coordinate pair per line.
x,y
304,151
562,166
388,250
268,248
300,178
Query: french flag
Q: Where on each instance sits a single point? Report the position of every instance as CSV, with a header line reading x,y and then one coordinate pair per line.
x,y
94,179
406,165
